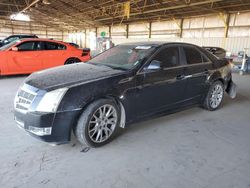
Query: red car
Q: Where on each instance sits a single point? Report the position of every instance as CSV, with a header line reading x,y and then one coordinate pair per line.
x,y
29,55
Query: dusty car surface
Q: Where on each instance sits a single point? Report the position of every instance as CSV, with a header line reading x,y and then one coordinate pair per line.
x,y
125,84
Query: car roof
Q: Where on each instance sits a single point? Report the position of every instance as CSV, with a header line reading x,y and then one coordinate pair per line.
x,y
156,43
22,35
41,39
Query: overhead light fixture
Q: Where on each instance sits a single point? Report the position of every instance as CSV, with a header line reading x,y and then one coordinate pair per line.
x,y
238,13
20,17
46,2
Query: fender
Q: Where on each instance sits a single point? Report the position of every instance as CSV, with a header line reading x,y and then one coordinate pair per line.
x,y
216,75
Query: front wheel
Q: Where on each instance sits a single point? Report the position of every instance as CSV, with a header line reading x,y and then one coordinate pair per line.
x,y
98,124
214,96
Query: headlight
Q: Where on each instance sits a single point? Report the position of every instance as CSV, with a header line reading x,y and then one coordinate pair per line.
x,y
51,100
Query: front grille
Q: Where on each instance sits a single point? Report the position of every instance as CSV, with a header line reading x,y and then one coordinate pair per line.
x,y
23,99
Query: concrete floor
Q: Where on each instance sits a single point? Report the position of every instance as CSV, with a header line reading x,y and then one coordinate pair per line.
x,y
190,149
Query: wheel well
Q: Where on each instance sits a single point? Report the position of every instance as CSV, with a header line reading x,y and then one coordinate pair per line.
x,y
221,80
72,58
123,112
117,101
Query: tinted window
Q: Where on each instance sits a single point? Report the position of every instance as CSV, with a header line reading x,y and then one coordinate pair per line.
x,y
11,39
204,58
27,46
193,56
123,56
5,47
54,46
28,36
168,56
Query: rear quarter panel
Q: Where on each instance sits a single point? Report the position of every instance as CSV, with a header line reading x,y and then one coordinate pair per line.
x,y
221,72
78,54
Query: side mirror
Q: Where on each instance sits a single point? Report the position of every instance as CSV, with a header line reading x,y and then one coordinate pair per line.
x,y
15,49
154,65
85,51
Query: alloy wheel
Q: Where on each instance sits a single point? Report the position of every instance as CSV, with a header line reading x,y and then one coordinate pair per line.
x,y
216,96
102,123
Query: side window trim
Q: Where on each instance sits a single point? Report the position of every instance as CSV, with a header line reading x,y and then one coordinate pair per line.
x,y
42,47
183,58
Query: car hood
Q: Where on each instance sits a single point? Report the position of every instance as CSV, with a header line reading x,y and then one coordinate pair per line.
x,y
69,75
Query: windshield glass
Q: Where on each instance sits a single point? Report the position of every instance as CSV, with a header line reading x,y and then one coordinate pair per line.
x,y
123,57
5,47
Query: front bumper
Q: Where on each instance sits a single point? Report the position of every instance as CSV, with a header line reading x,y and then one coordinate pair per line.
x,y
57,126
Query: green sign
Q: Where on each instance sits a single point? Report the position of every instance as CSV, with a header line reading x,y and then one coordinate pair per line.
x,y
103,33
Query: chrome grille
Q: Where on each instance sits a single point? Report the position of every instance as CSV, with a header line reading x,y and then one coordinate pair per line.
x,y
23,99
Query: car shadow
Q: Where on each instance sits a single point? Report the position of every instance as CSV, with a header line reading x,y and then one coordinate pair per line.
x,y
14,76
188,113
155,123
240,98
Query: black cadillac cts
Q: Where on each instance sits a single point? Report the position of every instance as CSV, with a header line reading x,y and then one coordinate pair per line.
x,y
127,83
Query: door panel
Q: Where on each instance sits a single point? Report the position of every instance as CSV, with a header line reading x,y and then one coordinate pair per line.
x,y
164,88
160,90
197,76
54,54
26,60
196,72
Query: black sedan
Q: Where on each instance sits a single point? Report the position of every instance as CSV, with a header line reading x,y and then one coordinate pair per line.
x,y
128,83
14,38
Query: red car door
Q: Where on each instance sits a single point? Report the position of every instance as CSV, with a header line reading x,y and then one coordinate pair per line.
x,y
25,59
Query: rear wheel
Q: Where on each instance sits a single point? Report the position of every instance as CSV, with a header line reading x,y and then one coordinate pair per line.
x,y
214,96
98,124
72,61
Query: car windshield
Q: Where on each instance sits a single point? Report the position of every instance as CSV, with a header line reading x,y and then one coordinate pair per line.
x,y
5,47
123,57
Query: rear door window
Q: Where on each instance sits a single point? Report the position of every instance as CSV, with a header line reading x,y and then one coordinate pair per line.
x,y
54,46
193,56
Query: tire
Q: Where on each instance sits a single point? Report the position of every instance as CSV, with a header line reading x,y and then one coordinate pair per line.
x,y
214,96
72,61
92,126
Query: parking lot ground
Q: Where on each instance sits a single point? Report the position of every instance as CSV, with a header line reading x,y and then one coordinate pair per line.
x,y
193,148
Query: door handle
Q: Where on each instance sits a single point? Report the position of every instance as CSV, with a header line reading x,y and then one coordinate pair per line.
x,y
180,77
206,71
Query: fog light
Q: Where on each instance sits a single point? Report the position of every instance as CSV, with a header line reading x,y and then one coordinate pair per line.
x,y
40,131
